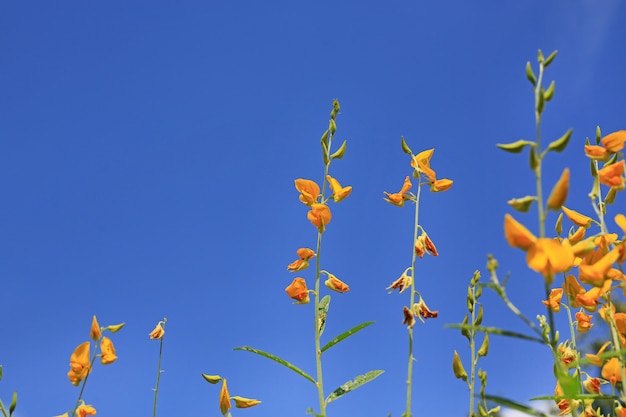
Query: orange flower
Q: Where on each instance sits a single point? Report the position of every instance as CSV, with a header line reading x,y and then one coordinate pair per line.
x,y
339,192
85,410
409,318
225,404
566,354
319,216
108,351
620,220
303,263
297,290
573,289
594,359
611,371
583,322
613,175
423,244
577,218
589,299
95,333
80,363
598,153
549,257
517,235
592,385
554,300
397,199
441,185
421,162
422,311
242,402
405,281
158,332
559,192
596,273
309,191
336,284
614,142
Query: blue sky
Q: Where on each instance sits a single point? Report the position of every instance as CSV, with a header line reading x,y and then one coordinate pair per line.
x,y
147,156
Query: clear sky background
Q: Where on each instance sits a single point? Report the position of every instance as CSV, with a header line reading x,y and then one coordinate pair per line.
x,y
147,158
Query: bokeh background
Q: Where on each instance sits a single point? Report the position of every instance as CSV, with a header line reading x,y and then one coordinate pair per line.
x,y
147,158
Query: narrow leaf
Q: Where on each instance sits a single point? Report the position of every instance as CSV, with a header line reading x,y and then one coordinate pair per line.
x,y
549,59
405,147
345,335
323,312
13,403
352,385
515,147
495,330
279,360
560,144
340,152
530,75
515,406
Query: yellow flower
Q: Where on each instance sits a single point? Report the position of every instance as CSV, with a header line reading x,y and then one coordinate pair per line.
x,y
409,318
80,363
303,263
158,332
589,299
583,322
549,257
95,333
573,289
422,311
108,351
598,153
592,385
421,162
596,273
339,192
554,300
613,175
611,371
423,245
441,185
298,291
594,358
397,199
319,216
309,191
224,398
405,281
242,402
85,410
614,142
620,220
577,218
559,192
336,284
517,235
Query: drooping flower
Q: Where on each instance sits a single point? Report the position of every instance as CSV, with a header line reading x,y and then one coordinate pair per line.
x,y
559,192
613,175
339,192
85,410
298,291
423,245
549,257
303,263
421,162
517,235
599,153
592,385
225,404
80,363
336,284
573,289
421,310
577,218
405,281
158,332
583,322
566,354
309,191
409,317
596,273
242,402
108,351
614,142
397,199
589,299
319,216
443,184
594,359
554,300
611,371
95,333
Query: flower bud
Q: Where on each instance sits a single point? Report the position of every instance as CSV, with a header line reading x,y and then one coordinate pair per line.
x,y
457,367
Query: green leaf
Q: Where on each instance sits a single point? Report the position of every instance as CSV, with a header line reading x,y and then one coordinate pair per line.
x,y
549,59
345,335
495,330
340,152
530,75
515,406
352,385
13,403
515,147
322,309
405,147
534,159
549,93
279,360
560,144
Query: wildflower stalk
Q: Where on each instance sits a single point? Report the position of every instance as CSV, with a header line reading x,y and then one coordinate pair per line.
x,y
318,350
159,371
82,387
409,380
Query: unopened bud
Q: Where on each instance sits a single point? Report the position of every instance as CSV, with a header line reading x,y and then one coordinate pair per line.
x,y
484,348
457,367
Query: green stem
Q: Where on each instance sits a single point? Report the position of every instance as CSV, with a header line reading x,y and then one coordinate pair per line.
x,y
318,349
409,380
156,389
82,388
4,411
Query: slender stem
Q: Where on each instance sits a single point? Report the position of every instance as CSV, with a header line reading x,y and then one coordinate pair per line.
x,y
318,349
82,387
4,411
409,380
156,389
473,358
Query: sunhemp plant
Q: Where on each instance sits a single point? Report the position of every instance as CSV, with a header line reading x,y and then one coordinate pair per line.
x,y
81,363
157,334
225,400
581,269
316,199
422,244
